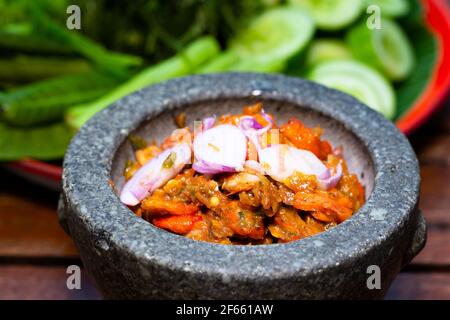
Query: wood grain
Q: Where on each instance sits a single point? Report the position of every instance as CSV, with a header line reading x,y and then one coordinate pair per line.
x,y
423,286
28,222
42,282
432,144
430,278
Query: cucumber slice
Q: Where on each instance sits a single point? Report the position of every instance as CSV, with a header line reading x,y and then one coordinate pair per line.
x,y
391,8
266,45
332,14
358,80
387,49
322,50
274,36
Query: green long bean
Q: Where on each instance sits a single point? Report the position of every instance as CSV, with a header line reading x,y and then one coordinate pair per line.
x,y
44,143
195,55
47,100
23,68
115,62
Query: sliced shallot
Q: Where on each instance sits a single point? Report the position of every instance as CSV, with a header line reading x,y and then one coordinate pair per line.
x,y
155,173
254,166
281,161
253,129
208,123
332,180
222,148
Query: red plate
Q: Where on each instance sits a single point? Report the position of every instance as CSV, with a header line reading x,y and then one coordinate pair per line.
x,y
437,15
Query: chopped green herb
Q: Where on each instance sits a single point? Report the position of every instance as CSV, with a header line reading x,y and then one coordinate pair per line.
x,y
137,142
170,161
130,169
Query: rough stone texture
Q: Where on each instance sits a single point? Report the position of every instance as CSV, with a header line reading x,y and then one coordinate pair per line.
x,y
130,258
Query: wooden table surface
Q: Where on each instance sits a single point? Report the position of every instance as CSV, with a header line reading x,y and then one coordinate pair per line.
x,y
35,252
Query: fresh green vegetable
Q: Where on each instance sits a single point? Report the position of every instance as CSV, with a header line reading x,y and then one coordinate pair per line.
x,y
21,38
391,8
44,143
21,69
12,11
231,61
276,35
158,29
17,10
322,50
267,43
195,55
47,100
332,14
248,65
117,63
358,80
258,35
222,62
387,49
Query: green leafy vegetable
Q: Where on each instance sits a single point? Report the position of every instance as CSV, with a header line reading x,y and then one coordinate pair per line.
x,y
114,62
21,38
158,29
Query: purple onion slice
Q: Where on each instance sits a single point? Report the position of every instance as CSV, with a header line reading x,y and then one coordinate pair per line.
x,y
155,173
332,180
281,161
208,123
253,130
222,148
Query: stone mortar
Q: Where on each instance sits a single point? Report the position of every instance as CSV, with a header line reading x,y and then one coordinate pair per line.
x,y
130,258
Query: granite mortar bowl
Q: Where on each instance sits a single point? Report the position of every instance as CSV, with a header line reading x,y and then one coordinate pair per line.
x,y
130,258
